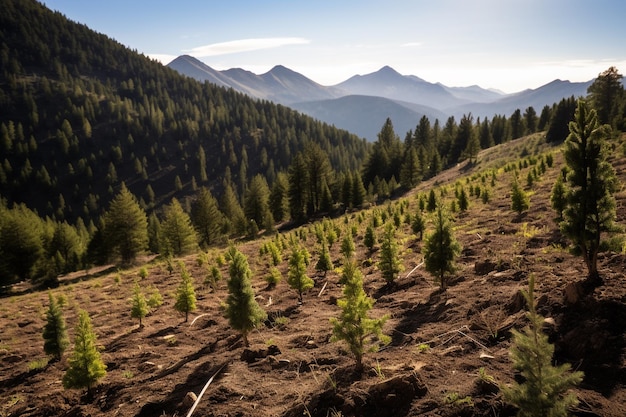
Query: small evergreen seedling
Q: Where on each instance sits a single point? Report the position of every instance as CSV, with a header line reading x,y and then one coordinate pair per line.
x,y
139,308
324,264
545,391
347,245
558,200
369,240
297,278
54,332
185,293
441,249
519,199
361,333
85,365
389,263
242,310
418,225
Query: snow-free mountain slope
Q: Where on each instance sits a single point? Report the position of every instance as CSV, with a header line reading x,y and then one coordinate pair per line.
x,y
390,84
365,115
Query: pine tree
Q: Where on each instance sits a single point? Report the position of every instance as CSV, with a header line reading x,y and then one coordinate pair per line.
x,y
324,263
418,225
605,94
519,199
347,245
206,218
185,293
54,332
389,263
558,201
126,226
432,201
590,207
85,365
242,310
179,236
369,240
139,305
255,205
296,277
278,201
544,392
362,334
463,200
441,249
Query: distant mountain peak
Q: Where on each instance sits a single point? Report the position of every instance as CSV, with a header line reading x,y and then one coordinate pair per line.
x,y
388,69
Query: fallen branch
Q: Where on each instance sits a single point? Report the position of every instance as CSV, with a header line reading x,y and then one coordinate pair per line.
x,y
454,333
413,270
195,404
322,290
194,320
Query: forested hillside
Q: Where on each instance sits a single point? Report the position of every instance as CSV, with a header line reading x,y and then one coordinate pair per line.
x,y
106,154
81,113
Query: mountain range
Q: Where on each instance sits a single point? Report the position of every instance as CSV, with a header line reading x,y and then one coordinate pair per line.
x,y
362,103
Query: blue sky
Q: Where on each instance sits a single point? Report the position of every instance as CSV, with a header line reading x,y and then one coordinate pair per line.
x,y
504,44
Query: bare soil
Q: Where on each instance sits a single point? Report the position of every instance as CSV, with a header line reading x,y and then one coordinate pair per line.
x,y
432,367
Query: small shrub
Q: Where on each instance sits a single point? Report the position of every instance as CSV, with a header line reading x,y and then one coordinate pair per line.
x,y
143,273
38,364
155,299
274,277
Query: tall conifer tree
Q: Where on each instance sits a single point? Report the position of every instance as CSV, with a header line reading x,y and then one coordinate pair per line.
x,y
590,207
126,226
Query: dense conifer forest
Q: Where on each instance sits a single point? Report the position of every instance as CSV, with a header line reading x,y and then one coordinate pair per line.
x,y
83,118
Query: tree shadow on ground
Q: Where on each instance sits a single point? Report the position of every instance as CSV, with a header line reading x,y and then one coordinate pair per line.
x,y
194,383
591,338
420,314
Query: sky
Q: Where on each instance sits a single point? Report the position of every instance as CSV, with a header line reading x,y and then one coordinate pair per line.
x,y
509,45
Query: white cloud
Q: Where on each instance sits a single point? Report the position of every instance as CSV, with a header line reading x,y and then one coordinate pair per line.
x,y
243,45
162,58
412,44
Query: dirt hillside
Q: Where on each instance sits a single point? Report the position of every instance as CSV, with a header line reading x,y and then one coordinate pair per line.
x,y
446,347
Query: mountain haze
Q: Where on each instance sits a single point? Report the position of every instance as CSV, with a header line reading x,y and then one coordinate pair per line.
x,y
362,115
280,84
379,95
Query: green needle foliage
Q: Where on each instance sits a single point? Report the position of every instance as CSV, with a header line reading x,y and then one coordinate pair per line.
x,y
324,263
179,236
590,207
54,332
544,393
362,334
126,226
558,201
418,225
296,277
369,240
185,293
519,199
348,248
242,310
389,263
140,307
441,248
85,365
